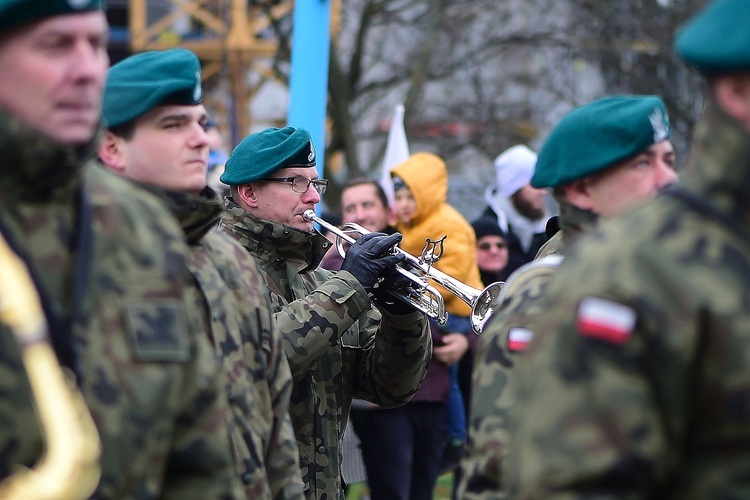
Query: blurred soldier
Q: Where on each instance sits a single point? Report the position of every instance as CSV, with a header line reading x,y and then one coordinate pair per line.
x,y
110,266
600,160
339,346
153,108
636,385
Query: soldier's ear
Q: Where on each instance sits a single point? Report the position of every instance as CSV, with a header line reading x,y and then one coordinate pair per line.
x,y
248,195
733,95
578,194
111,152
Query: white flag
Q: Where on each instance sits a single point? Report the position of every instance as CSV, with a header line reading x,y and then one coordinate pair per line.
x,y
396,151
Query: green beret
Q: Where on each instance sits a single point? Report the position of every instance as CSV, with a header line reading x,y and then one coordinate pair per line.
x,y
598,135
717,39
16,13
141,82
260,155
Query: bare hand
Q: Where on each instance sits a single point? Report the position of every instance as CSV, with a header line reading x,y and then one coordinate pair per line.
x,y
454,347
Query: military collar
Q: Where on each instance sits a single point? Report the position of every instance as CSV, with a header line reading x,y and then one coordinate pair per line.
x,y
274,242
574,222
38,168
197,213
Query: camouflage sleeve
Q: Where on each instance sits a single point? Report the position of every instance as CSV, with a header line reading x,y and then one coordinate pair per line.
x,y
200,463
397,351
592,394
282,462
315,322
499,349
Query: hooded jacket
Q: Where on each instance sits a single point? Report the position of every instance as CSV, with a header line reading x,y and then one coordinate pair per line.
x,y
427,178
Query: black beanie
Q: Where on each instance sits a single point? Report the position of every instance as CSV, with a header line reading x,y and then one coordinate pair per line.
x,y
486,226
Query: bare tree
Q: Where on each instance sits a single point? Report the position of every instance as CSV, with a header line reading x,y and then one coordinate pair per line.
x,y
477,76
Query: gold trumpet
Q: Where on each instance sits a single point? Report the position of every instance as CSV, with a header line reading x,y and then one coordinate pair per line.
x,y
422,296
69,466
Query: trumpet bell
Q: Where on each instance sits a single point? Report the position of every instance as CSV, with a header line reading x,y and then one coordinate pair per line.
x,y
485,305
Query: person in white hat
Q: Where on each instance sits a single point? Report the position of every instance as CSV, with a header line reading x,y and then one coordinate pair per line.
x,y
518,207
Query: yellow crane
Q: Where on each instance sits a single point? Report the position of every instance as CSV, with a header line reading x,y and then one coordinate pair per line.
x,y
231,37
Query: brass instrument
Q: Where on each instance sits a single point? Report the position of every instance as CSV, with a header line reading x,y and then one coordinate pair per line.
x,y
422,296
69,466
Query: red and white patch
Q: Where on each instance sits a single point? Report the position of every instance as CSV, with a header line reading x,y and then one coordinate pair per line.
x,y
605,320
519,338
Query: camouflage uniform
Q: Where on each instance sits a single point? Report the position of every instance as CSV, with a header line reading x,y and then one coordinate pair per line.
x,y
149,377
329,328
654,404
244,334
496,358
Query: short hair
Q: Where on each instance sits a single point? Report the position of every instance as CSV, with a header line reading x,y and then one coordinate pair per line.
x,y
364,181
124,130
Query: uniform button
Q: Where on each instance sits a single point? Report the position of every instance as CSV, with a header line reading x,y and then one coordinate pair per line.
x,y
246,478
216,316
232,398
322,450
193,207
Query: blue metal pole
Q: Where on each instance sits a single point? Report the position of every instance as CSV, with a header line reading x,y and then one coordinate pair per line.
x,y
308,82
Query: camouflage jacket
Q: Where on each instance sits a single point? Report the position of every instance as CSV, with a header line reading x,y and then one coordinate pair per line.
x,y
338,345
147,373
638,384
244,334
506,335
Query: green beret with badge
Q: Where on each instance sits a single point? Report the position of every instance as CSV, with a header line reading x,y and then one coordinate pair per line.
x,y
16,13
259,155
599,135
717,39
141,82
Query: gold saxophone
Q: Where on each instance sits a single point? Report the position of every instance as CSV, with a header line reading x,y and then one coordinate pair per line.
x,y
69,466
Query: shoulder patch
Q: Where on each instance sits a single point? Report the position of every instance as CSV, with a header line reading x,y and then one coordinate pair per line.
x,y
605,320
519,338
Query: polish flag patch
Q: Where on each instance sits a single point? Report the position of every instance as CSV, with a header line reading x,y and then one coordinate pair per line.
x,y
605,320
519,338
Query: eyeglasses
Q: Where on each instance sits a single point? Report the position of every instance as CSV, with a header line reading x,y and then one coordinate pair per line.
x,y
301,184
487,246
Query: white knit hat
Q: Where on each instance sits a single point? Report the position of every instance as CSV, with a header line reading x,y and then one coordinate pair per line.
x,y
514,168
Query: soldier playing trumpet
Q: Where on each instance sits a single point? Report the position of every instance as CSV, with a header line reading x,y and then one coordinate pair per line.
x,y
339,343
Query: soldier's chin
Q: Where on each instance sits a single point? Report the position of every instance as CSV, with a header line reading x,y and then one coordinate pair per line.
x,y
76,135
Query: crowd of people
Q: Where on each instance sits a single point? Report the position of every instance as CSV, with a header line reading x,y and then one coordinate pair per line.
x,y
222,345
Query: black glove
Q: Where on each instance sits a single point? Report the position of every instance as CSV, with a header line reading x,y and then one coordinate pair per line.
x,y
368,258
393,280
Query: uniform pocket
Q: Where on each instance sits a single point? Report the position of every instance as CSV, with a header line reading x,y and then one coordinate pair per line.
x,y
158,330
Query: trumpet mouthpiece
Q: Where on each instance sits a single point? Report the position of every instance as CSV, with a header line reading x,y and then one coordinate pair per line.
x,y
309,215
